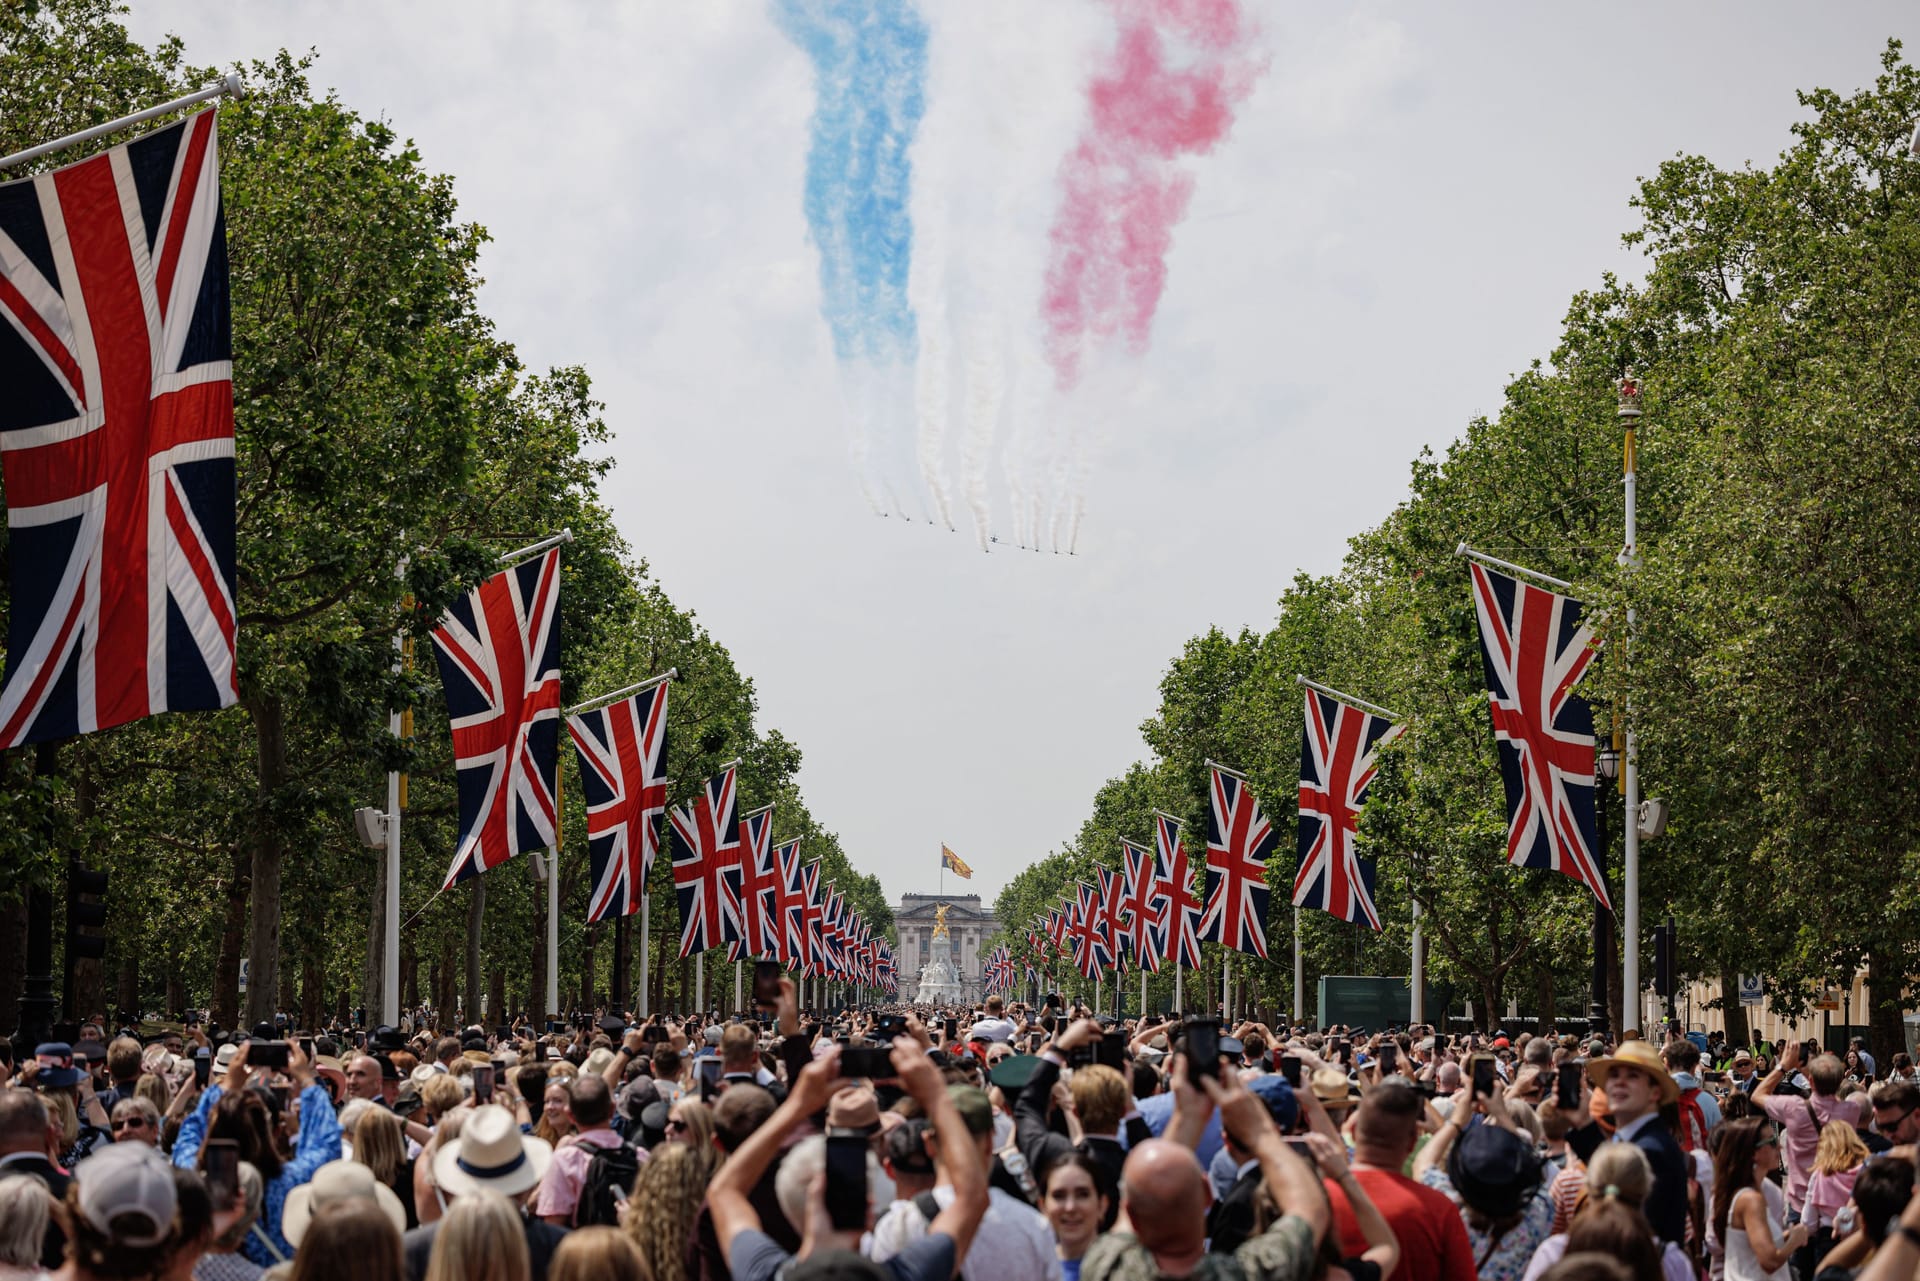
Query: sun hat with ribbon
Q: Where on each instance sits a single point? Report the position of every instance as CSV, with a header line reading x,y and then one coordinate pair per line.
x,y
1641,1057
332,1184
491,1155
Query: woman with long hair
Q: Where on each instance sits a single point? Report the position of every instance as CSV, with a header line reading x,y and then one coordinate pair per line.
x,y
380,1143
25,1209
234,1110
666,1201
1071,1198
1618,1173
1620,1231
556,1114
597,1254
481,1239
1837,1162
1745,1223
690,1122
351,1240
428,1204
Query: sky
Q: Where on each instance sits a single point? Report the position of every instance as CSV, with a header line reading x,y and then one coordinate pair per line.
x,y
1407,199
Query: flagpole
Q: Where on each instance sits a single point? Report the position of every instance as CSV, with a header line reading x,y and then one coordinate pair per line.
x,y
646,960
390,960
1417,1010
739,995
1299,971
1179,1000
553,905
231,87
699,981
1496,563
1347,698
514,557
1629,415
594,703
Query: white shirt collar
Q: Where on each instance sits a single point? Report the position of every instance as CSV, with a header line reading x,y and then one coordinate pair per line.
x,y
1626,1133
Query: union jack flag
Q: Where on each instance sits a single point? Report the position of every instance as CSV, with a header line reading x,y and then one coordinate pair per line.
x,y
790,939
1090,951
1339,748
116,438
499,654
1059,930
1146,907
813,920
1239,841
759,884
1181,941
706,865
1535,648
1116,930
623,751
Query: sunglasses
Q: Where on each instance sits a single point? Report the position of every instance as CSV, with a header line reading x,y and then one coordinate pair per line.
x,y
675,1123
130,1123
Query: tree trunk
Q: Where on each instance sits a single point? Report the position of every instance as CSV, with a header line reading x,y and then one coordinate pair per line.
x,y
1544,994
1730,1007
587,949
313,997
497,999
1886,996
372,990
263,944
176,989
13,952
225,1001
409,975
128,996
476,921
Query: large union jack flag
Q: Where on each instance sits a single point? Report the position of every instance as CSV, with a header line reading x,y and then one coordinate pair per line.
x,y
116,438
499,653
705,835
1239,842
1339,747
814,922
1181,941
623,754
1091,954
1535,649
1146,907
1116,926
759,884
790,938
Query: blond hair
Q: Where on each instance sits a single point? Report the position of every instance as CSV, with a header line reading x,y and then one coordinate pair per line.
x,y
1840,1149
1619,1172
671,1187
379,1143
480,1239
441,1095
1100,1098
62,1112
597,1254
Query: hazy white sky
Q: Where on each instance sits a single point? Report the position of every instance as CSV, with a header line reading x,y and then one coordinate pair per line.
x,y
1393,228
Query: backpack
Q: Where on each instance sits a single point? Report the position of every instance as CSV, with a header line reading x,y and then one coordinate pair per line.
x,y
1693,1121
610,1168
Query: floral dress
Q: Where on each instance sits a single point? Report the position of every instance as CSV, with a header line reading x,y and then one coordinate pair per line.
x,y
1505,1259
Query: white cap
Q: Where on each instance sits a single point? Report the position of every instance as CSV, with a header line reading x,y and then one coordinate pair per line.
x,y
125,1182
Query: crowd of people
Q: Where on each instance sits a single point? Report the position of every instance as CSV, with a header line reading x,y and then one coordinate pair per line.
x,y
999,1142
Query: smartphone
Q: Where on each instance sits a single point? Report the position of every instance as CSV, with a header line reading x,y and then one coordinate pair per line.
x,y
1389,1057
888,1026
1482,1068
847,1182
279,1098
202,1067
503,1033
952,1030
1566,1095
482,1084
1111,1050
220,1164
552,1027
306,1047
1290,1070
867,1060
1203,1048
1439,1043
266,1054
766,984
653,1034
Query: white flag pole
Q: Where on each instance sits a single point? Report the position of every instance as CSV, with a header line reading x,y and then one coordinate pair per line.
x,y
231,87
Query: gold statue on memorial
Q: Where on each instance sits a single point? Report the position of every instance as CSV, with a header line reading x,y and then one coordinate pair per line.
x,y
940,921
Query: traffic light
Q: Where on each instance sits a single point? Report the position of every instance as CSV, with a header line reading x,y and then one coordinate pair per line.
x,y
86,922
1666,945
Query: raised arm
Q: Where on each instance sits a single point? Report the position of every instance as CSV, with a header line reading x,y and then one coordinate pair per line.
x,y
727,1194
921,1079
1294,1186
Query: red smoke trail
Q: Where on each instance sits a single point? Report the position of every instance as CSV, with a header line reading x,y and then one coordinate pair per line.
x,y
1176,73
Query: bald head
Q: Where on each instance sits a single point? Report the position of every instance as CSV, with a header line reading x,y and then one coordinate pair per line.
x,y
363,1077
1165,1194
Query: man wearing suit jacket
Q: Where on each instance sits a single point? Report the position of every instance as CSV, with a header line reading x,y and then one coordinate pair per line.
x,y
27,1137
1637,1086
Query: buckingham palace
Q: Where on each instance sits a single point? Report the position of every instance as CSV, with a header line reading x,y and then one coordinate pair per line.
x,y
968,923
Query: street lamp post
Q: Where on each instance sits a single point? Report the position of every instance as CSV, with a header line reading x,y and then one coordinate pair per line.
x,y
1606,764
1629,414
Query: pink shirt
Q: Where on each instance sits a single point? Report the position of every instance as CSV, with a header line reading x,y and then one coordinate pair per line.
x,y
1800,1133
560,1189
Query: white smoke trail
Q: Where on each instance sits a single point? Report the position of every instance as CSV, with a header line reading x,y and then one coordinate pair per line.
x,y
934,393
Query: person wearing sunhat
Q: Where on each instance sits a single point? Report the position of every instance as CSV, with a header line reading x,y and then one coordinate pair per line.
x,y
491,1155
1637,1086
335,1183
1493,1174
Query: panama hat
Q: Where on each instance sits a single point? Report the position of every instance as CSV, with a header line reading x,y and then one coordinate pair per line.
x,y
1640,1056
491,1155
334,1183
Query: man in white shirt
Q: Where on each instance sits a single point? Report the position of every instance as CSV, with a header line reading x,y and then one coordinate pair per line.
x,y
994,1025
1014,1243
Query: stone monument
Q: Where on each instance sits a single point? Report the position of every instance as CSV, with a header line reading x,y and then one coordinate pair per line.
x,y
939,977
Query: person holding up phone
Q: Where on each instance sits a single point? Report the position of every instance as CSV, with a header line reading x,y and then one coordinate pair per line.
x,y
1100,1098
754,1256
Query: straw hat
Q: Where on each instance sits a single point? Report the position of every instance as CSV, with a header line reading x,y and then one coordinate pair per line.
x,y
1642,1057
491,1155
332,1184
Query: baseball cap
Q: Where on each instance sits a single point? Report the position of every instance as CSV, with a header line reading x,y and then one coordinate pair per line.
x,y
974,1107
127,1190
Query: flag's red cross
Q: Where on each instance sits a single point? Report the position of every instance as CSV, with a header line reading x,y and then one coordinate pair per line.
x,y
706,854
1336,767
1236,867
759,882
111,329
1175,879
1145,907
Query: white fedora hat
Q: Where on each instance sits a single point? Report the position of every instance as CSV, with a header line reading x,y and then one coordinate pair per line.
x,y
491,1155
333,1183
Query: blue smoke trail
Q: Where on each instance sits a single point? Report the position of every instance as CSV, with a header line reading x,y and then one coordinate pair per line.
x,y
870,67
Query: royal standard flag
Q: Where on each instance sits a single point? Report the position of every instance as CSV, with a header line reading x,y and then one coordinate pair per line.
x,y
951,861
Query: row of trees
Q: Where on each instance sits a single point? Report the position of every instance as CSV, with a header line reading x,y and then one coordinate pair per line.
x,y
380,420
1774,670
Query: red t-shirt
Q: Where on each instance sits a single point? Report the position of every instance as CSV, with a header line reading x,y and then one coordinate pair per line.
x,y
1433,1240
